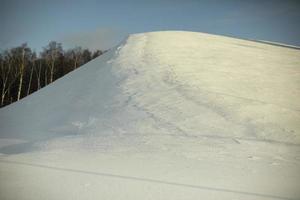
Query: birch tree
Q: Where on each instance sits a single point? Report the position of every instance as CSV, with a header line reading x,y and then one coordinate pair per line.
x,y
77,54
38,71
9,73
22,72
21,56
31,68
51,53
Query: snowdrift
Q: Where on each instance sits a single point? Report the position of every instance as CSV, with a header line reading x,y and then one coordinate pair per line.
x,y
180,83
165,115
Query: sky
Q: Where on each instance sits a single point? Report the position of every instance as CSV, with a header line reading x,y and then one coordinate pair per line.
x,y
99,24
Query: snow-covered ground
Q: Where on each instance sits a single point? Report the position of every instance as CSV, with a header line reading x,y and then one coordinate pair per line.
x,y
165,115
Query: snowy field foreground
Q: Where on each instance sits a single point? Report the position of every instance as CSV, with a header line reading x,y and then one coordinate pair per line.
x,y
163,116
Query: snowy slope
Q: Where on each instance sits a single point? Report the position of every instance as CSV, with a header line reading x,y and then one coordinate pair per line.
x,y
165,115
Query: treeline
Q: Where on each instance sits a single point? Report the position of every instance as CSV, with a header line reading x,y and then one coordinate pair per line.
x,y
23,72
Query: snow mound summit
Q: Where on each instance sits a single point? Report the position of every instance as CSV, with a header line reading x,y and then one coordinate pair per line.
x,y
176,83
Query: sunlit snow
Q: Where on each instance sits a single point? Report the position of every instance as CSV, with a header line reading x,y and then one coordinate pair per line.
x,y
165,115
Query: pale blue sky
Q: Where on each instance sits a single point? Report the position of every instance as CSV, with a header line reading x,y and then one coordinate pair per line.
x,y
102,24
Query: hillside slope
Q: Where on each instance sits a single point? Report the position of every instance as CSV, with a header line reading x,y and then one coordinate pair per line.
x,y
173,115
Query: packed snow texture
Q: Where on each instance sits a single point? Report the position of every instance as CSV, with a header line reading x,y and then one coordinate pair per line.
x,y
165,115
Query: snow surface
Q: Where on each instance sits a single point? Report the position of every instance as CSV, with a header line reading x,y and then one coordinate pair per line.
x,y
165,115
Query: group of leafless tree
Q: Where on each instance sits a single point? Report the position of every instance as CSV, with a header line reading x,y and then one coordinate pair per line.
x,y
23,72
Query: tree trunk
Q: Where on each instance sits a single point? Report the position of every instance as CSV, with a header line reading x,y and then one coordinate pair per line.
x,y
30,79
51,71
2,95
46,76
20,84
4,77
22,66
4,90
38,75
75,62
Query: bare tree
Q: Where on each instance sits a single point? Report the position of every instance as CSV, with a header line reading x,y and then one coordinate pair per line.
x,y
51,53
86,55
32,64
7,75
97,53
21,56
22,72
38,70
77,54
22,67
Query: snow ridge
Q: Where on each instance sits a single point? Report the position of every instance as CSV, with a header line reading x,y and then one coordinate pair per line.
x,y
164,115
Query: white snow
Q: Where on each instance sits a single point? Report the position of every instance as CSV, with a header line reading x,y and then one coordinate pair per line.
x,y
165,115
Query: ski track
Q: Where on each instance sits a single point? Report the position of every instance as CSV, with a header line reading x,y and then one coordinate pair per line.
x,y
153,181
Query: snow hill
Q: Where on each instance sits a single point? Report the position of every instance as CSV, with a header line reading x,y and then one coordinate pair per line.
x,y
165,115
